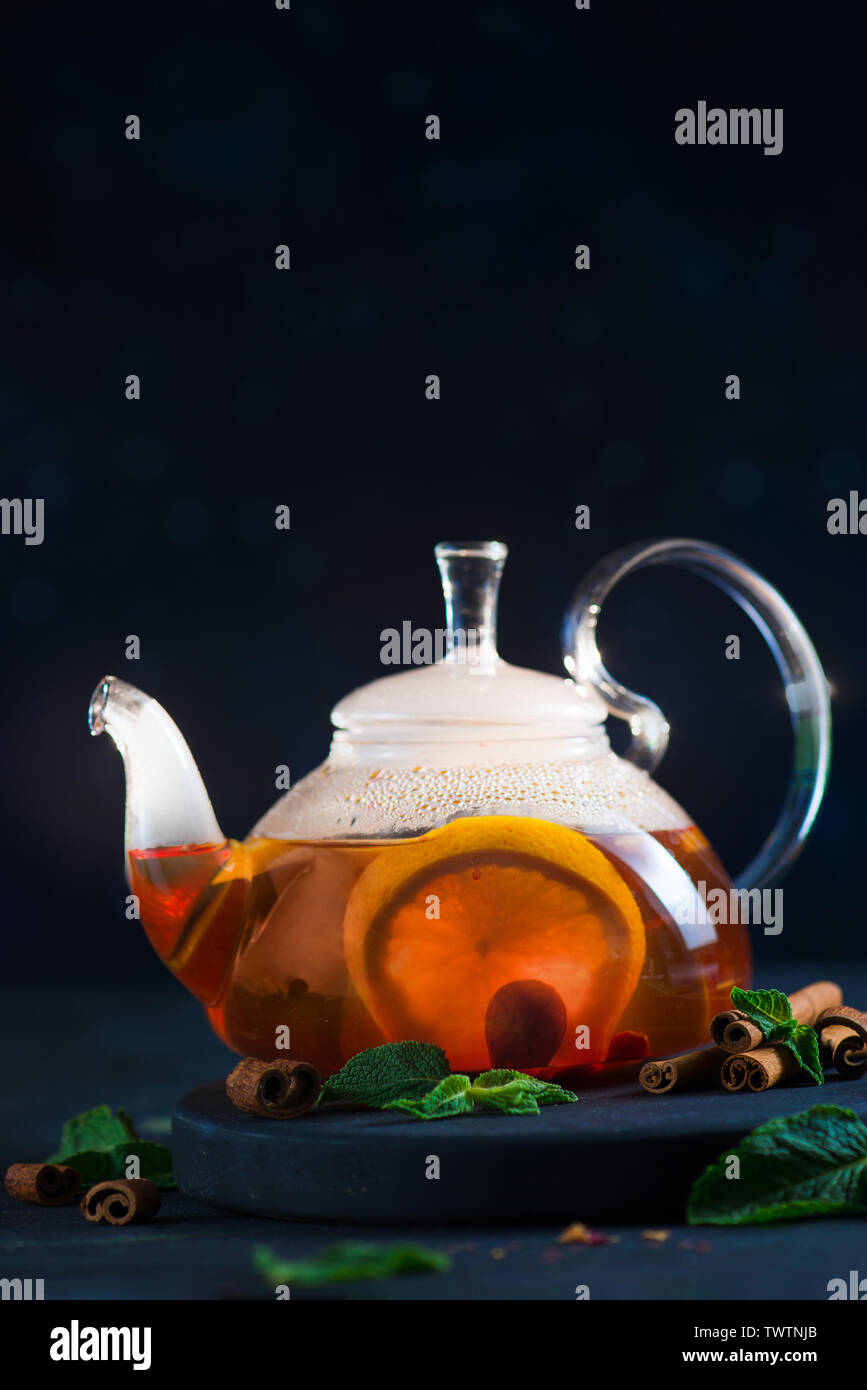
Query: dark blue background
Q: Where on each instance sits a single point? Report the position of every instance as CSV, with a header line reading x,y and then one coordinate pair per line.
x,y
307,388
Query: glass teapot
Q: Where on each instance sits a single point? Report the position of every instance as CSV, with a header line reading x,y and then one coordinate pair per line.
x,y
472,865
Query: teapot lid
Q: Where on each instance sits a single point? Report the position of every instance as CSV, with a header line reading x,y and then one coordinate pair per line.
x,y
469,694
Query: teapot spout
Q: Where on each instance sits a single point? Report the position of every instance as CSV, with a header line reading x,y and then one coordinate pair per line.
x,y
166,801
189,883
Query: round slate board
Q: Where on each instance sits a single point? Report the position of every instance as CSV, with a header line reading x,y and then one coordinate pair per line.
x,y
616,1155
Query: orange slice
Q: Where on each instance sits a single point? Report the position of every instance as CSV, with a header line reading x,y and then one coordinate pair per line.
x,y
436,930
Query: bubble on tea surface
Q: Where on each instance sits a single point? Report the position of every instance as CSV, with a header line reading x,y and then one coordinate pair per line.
x,y
524,1025
602,794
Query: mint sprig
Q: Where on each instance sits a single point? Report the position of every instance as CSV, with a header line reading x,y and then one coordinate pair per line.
x,y
805,1045
415,1079
349,1259
810,1164
93,1129
771,1012
451,1096
768,1009
392,1071
457,1095
543,1092
98,1144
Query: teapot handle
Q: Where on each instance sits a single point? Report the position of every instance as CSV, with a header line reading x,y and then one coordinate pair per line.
x,y
806,688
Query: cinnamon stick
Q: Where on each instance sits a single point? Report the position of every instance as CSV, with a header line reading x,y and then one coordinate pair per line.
x,y
281,1090
691,1070
735,1070
850,1057
760,1069
43,1184
770,1064
843,1040
841,1048
830,1039
122,1201
736,1032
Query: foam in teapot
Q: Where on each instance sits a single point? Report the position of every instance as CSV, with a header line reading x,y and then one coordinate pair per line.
x,y
472,865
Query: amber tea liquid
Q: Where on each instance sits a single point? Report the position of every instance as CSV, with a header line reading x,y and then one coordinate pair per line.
x,y
273,933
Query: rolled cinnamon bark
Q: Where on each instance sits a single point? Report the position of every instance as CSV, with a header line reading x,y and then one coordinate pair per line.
x,y
830,1039
843,1040
43,1184
734,1031
121,1201
735,1070
850,1057
692,1069
808,1003
280,1090
770,1064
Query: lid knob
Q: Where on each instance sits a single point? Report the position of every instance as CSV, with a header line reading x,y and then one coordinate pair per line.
x,y
471,573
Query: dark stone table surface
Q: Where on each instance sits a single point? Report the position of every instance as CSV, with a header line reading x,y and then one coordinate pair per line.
x,y
69,1048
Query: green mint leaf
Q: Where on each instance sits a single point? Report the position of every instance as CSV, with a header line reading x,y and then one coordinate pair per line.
x,y
98,1143
451,1096
93,1129
810,1164
414,1078
351,1259
513,1099
805,1045
98,1165
768,1009
500,1076
94,1165
511,1092
155,1161
393,1071
543,1092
